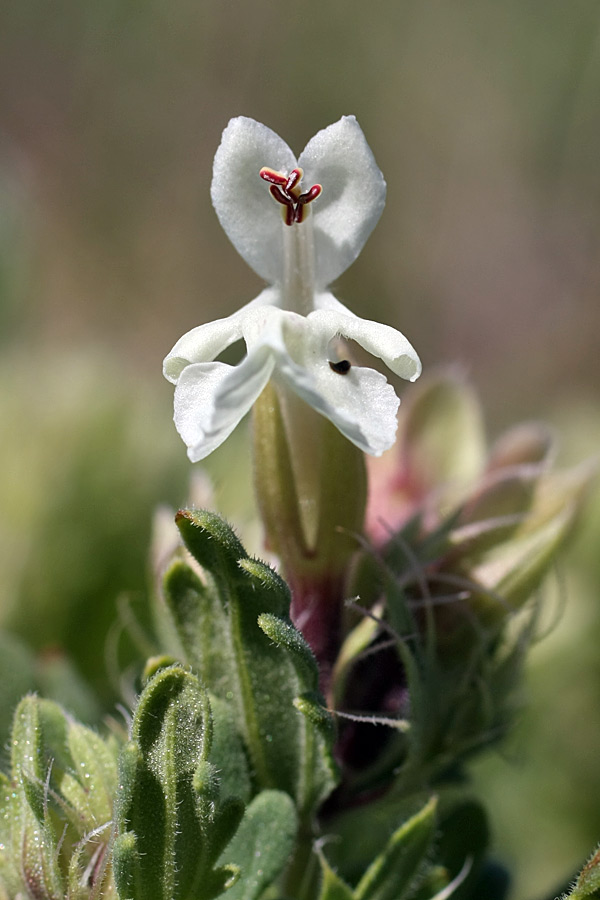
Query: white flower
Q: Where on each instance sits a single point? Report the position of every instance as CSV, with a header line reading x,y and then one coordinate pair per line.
x,y
291,328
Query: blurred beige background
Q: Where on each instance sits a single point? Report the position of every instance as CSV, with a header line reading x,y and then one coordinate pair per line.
x,y
485,119
483,116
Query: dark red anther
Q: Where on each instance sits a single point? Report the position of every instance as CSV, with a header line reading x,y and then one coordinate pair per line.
x,y
286,190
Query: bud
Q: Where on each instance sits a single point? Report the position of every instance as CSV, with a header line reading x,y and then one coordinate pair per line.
x,y
483,530
447,600
439,451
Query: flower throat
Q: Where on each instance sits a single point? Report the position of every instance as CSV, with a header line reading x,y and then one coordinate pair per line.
x,y
298,250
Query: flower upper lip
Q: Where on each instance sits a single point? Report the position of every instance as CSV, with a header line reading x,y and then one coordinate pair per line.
x,y
338,158
289,328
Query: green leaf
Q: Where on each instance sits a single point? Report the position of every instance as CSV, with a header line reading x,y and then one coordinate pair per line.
x,y
92,789
200,621
434,885
285,635
169,730
59,802
311,483
394,873
587,886
39,731
39,726
171,823
332,886
319,774
359,833
172,725
10,876
234,630
263,843
210,540
228,753
463,837
127,866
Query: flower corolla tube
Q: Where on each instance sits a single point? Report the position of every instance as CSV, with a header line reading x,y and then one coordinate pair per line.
x,y
299,224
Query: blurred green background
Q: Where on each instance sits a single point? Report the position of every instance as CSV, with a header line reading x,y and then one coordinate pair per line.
x,y
484,117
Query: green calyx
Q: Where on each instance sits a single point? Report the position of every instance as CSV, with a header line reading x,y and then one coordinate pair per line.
x,y
310,484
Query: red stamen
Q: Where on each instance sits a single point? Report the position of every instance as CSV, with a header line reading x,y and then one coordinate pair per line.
x,y
278,195
285,189
312,194
294,177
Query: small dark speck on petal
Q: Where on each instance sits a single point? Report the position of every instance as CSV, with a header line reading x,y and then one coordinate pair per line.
x,y
342,367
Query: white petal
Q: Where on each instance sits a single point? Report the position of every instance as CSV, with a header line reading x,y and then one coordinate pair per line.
x,y
360,403
382,341
211,398
249,215
204,343
353,197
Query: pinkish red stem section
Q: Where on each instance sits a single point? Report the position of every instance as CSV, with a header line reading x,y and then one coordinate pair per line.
x,y
316,610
